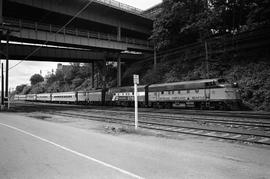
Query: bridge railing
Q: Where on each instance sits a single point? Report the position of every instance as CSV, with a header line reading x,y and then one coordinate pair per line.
x,y
120,5
73,31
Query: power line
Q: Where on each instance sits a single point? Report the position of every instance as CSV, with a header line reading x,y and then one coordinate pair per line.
x,y
64,26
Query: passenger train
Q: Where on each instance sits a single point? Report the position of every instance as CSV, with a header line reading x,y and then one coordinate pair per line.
x,y
199,94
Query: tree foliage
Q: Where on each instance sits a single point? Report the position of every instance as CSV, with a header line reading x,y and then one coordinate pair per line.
x,y
187,21
36,78
20,88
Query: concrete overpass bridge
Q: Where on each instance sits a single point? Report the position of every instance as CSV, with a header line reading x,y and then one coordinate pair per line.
x,y
86,31
101,25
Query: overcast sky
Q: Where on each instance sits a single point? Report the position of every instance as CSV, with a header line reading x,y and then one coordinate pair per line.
x,y
22,73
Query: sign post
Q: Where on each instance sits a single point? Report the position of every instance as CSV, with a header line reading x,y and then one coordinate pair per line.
x,y
136,82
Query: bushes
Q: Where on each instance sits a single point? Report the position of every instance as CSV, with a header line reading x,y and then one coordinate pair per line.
x,y
254,83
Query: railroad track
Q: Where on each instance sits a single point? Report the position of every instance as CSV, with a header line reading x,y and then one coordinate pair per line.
x,y
230,114
227,122
239,136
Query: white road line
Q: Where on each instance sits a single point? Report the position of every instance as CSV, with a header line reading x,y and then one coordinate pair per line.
x,y
74,152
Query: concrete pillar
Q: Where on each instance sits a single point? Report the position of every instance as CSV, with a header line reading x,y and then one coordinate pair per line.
x,y
119,72
155,58
93,74
7,64
119,33
1,11
2,86
104,68
104,73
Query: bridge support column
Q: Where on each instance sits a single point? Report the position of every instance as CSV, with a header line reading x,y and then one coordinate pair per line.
x,y
103,96
93,74
7,63
119,80
119,33
1,11
2,87
155,58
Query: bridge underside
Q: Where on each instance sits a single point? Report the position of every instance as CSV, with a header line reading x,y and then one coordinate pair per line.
x,y
20,52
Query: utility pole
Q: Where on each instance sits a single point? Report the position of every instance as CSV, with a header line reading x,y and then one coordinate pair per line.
x,y
206,59
155,56
7,61
2,86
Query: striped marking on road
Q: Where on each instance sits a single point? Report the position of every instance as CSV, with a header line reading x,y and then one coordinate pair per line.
x,y
74,152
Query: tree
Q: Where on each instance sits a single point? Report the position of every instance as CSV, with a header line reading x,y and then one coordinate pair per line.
x,y
36,78
20,88
186,21
170,27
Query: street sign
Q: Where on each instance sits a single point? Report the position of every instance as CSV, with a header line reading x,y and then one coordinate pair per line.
x,y
136,79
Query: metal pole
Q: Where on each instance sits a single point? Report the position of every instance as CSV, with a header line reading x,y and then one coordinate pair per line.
x,y
9,99
136,106
1,12
104,82
2,86
7,63
93,74
155,57
119,33
206,59
119,72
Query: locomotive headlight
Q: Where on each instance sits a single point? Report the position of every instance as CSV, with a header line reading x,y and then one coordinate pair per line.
x,y
235,85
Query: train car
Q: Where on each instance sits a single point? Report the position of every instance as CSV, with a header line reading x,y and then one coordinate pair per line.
x,y
124,96
44,97
208,93
31,97
20,97
82,97
94,97
16,97
65,97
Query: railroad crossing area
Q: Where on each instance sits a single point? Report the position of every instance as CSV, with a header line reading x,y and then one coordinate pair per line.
x,y
73,141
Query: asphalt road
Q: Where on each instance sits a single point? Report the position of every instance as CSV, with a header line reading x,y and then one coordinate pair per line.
x,y
31,148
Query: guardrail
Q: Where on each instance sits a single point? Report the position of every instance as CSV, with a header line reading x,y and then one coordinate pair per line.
x,y
18,23
121,6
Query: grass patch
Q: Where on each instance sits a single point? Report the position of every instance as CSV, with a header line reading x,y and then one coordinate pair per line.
x,y
121,129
